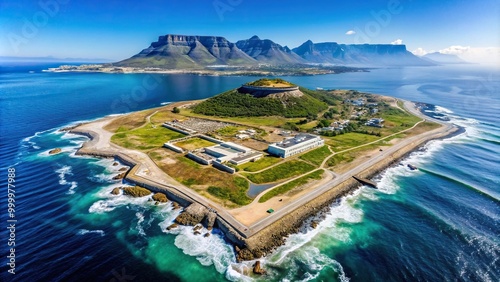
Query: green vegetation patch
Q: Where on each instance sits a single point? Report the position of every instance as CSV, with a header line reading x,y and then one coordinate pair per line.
x,y
282,171
194,143
316,156
263,163
235,104
270,82
280,190
236,194
349,140
145,138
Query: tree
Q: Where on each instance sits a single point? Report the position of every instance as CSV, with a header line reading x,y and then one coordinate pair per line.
x,y
176,110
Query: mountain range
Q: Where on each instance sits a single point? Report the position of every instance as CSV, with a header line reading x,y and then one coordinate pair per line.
x,y
197,52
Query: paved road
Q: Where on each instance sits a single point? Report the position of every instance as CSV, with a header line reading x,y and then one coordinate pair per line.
x,y
417,140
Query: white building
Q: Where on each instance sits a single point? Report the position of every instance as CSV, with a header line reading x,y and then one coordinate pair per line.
x,y
296,145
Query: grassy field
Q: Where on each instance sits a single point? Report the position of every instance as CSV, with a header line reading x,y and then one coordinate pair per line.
x,y
266,161
349,140
280,172
144,138
230,190
316,156
280,190
129,121
273,121
194,143
236,194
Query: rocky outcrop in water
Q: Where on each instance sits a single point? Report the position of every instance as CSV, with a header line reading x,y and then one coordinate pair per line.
x,y
136,191
160,197
119,176
192,215
257,269
116,191
55,151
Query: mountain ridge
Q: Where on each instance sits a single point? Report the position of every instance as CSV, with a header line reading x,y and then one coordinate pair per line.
x,y
174,51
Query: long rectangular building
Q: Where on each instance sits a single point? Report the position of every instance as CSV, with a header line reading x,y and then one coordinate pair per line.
x,y
296,145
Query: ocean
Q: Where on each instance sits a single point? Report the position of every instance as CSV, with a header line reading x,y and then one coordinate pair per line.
x,y
439,223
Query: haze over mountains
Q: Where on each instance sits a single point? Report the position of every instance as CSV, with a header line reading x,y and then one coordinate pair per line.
x,y
192,52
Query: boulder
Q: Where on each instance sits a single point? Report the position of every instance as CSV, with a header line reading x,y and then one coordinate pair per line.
x,y
244,254
192,215
314,224
116,191
211,216
197,227
160,197
197,233
123,169
207,234
257,269
115,163
55,151
119,176
172,226
136,191
176,205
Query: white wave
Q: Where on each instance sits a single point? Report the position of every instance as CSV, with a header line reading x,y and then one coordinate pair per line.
x,y
102,206
62,172
72,188
110,202
85,231
140,228
440,109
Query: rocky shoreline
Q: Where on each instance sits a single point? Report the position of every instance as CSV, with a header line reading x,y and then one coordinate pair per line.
x,y
251,242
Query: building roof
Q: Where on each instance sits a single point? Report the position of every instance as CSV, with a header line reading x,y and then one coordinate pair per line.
x,y
298,139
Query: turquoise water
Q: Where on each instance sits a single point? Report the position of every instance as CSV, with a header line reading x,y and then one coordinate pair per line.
x,y
438,223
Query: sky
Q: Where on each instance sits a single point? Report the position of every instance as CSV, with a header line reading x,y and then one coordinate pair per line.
x,y
118,29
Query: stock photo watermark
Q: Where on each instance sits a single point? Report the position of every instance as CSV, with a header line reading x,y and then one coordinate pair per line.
x,y
12,220
31,26
223,6
381,18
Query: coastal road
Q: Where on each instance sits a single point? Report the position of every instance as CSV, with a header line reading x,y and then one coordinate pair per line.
x,y
446,129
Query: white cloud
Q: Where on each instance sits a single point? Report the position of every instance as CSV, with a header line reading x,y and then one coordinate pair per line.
x,y
397,42
419,52
482,55
350,32
455,50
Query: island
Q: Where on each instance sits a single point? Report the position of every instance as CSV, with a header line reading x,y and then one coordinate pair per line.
x,y
258,162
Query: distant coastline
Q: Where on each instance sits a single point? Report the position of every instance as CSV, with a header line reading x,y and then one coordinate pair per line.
x,y
216,70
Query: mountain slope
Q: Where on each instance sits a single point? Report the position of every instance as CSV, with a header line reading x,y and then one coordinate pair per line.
x,y
181,51
266,51
444,58
359,54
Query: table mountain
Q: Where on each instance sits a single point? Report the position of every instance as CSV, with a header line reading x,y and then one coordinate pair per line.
x,y
266,51
359,54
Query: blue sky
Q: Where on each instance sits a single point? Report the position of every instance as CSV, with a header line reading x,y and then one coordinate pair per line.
x,y
118,29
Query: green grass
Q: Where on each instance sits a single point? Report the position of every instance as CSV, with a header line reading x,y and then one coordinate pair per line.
x,y
260,164
316,156
194,143
349,140
145,138
279,172
237,194
280,190
342,158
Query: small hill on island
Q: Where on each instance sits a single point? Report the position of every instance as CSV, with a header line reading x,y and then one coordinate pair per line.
x,y
265,97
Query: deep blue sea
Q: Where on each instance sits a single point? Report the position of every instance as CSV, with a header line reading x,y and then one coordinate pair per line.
x,y
439,223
